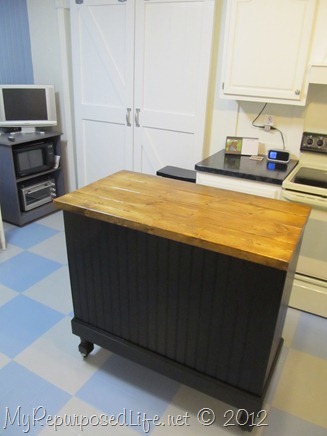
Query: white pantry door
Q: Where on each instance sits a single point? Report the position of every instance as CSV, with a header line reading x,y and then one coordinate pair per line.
x,y
102,53
172,62
143,61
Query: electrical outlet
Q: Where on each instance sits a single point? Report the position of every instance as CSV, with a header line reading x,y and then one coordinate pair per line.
x,y
269,120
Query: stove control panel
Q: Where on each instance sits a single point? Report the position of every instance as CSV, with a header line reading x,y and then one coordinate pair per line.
x,y
316,142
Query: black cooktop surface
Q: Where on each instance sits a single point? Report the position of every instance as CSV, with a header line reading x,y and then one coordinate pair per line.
x,y
245,168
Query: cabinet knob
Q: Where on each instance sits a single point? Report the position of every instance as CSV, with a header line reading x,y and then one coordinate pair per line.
x,y
297,92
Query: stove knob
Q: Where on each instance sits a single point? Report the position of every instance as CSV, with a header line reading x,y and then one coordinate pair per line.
x,y
320,142
309,140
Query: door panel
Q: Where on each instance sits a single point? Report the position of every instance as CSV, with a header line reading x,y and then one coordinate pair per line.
x,y
156,144
108,154
171,79
102,50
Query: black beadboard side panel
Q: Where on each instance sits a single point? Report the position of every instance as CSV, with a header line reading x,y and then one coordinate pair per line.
x,y
210,312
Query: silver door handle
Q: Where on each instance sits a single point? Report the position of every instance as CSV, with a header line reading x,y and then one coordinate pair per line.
x,y
137,117
128,117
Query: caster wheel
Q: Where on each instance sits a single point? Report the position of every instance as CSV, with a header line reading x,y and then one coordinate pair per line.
x,y
85,348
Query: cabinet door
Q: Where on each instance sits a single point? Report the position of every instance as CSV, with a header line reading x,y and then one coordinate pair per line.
x,y
102,52
172,61
266,49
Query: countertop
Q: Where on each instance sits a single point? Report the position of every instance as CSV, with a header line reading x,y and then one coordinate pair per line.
x,y
245,168
248,227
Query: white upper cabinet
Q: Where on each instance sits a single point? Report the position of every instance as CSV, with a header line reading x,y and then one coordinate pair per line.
x,y
266,53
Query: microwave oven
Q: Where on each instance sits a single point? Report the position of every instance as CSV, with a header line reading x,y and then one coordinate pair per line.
x,y
36,194
31,159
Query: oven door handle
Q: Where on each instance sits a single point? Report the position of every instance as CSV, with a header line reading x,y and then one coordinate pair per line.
x,y
37,188
309,200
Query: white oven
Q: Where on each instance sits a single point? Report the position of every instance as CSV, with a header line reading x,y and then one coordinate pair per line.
x,y
307,184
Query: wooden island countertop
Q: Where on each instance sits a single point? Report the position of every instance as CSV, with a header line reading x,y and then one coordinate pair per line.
x,y
243,226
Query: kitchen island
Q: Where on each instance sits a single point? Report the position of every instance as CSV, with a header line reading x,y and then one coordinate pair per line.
x,y
188,280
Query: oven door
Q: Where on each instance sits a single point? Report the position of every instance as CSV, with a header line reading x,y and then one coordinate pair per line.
x,y
309,291
35,196
313,255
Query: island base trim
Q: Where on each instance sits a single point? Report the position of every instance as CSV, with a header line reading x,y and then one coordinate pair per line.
x,y
217,389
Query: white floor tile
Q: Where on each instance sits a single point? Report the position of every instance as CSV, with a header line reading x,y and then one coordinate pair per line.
x,y
53,248
55,357
302,388
6,294
54,291
3,360
54,220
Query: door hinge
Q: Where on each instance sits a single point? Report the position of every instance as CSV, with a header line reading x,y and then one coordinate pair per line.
x,y
223,85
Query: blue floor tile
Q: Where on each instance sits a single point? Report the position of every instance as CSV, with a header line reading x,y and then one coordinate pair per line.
x,y
26,413
29,235
22,321
124,385
24,270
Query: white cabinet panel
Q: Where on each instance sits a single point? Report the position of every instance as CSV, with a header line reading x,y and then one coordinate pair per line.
x,y
239,185
266,50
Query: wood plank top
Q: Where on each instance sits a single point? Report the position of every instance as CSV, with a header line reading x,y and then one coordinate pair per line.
x,y
244,226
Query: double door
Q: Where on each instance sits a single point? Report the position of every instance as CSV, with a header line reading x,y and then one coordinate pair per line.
x,y
140,74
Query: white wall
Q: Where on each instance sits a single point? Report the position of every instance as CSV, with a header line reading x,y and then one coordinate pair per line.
x,y
50,46
235,118
50,40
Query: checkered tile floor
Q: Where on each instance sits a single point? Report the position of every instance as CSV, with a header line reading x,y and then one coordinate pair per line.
x,y
47,388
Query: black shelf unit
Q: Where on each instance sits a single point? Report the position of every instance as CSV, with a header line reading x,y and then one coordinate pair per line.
x,y
9,182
